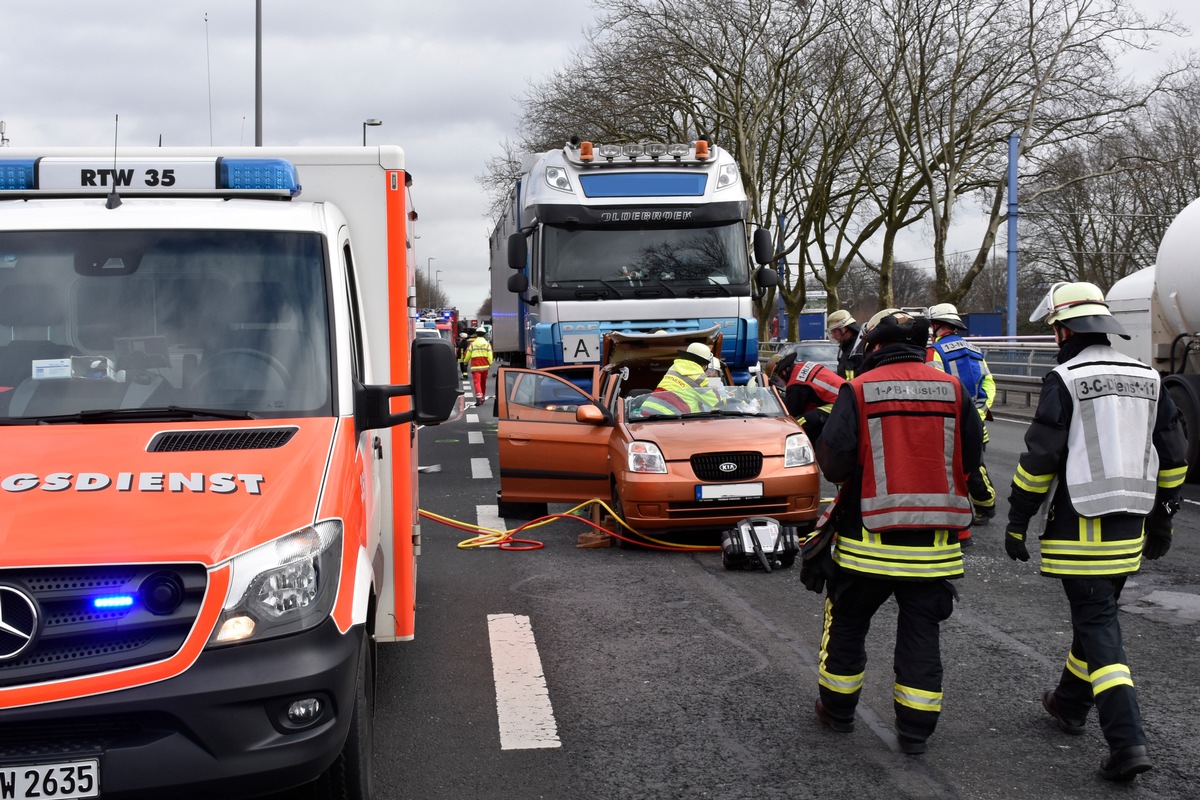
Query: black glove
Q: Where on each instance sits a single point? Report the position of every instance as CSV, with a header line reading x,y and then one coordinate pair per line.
x,y
814,572
816,560
1014,545
1158,535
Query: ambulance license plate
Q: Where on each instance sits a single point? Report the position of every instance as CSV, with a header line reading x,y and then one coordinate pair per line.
x,y
63,781
729,491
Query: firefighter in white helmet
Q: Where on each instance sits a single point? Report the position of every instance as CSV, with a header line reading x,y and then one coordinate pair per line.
x,y
1106,452
951,353
843,329
901,440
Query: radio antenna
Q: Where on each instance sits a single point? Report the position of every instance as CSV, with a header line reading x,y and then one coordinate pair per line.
x,y
114,199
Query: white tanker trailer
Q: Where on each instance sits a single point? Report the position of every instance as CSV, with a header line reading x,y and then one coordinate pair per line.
x,y
1160,308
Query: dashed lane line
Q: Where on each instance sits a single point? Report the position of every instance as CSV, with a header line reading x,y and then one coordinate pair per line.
x,y
522,697
474,437
481,468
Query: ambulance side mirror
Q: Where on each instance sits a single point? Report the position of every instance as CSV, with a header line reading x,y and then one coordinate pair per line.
x,y
436,390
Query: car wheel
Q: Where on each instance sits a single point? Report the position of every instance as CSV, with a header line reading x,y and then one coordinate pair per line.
x,y
351,776
618,508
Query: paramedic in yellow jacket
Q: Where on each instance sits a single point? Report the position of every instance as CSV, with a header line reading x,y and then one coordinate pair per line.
x,y
684,389
478,356
1106,452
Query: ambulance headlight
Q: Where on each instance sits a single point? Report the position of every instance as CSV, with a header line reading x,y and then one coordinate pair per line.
x,y
283,586
797,452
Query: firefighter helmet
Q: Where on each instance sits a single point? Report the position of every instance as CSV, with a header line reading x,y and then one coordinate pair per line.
x,y
838,319
948,314
891,325
1079,307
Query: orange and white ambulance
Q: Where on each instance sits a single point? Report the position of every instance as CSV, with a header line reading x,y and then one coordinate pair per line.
x,y
209,387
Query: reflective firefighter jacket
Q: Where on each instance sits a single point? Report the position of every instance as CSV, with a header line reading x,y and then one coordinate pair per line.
x,y
902,438
811,385
478,354
1104,446
682,390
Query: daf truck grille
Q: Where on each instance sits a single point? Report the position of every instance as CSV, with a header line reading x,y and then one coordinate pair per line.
x,y
727,466
66,622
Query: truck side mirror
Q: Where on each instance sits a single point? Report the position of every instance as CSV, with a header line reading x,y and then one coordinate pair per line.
x,y
764,246
518,282
436,390
518,250
766,277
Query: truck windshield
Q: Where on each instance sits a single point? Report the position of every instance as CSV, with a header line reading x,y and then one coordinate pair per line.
x,y
672,260
233,321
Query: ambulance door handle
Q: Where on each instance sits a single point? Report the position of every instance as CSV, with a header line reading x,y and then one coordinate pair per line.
x,y
377,446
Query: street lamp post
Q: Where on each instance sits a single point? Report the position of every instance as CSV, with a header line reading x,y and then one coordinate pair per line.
x,y
374,123
429,282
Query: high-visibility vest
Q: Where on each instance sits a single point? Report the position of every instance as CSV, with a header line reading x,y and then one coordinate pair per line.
x,y
824,382
1112,465
964,361
914,493
683,389
478,354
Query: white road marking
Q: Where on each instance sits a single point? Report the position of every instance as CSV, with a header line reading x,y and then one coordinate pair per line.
x,y
481,468
474,437
489,517
472,418
522,698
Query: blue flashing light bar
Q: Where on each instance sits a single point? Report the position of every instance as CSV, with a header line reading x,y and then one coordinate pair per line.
x,y
78,176
17,173
272,174
112,601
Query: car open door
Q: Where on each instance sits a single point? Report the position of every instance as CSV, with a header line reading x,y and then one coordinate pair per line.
x,y
547,453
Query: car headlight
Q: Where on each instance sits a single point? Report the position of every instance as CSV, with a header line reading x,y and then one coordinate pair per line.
x,y
283,586
797,452
646,457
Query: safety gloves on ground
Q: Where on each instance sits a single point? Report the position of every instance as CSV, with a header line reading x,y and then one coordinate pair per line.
x,y
1014,545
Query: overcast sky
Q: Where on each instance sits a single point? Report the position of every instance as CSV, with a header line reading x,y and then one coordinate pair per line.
x,y
443,75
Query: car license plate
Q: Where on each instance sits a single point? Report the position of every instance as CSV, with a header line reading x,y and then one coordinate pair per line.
x,y
729,491
63,781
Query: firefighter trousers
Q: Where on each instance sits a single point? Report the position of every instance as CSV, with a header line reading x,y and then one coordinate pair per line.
x,y
852,601
1096,672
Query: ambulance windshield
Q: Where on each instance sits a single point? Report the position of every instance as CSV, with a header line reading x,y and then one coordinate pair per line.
x,y
232,321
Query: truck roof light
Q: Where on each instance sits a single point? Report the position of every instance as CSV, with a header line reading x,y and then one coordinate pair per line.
x,y
678,150
585,151
701,149
610,151
634,150
656,150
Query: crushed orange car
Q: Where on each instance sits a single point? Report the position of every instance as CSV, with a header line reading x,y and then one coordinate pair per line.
x,y
571,434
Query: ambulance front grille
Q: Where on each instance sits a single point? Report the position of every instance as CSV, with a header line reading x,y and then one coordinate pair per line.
x,y
71,637
209,440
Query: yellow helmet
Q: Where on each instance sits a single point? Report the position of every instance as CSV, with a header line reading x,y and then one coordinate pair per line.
x,y
1079,306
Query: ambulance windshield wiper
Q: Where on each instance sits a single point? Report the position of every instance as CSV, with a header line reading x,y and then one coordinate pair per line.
x,y
152,413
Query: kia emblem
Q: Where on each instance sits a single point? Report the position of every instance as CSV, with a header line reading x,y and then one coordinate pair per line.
x,y
727,466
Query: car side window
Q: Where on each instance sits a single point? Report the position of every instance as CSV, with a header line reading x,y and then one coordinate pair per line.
x,y
533,395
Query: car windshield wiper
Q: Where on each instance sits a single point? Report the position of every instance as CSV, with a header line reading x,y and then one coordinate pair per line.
x,y
123,414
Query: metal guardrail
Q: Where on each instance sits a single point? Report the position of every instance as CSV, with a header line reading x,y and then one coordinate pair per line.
x,y
1017,366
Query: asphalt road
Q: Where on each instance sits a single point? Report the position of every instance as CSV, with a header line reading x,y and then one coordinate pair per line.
x,y
669,677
